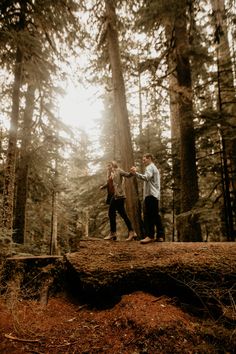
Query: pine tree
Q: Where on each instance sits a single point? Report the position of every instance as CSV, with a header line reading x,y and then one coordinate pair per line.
x,y
9,178
227,112
23,168
30,30
121,112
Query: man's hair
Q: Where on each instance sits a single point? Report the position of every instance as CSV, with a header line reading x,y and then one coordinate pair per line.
x,y
149,156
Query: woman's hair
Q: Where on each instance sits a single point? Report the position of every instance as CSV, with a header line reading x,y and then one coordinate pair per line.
x,y
114,164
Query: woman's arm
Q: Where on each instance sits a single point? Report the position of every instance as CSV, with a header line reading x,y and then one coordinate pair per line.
x,y
126,174
104,186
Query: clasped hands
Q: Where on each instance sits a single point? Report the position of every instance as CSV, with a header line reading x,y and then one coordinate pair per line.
x,y
133,170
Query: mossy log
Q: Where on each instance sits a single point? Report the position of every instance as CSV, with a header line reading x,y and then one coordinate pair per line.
x,y
199,274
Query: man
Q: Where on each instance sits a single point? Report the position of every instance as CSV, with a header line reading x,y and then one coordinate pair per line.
x,y
116,199
151,197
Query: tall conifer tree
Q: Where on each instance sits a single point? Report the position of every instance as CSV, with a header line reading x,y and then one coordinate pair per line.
x,y
122,112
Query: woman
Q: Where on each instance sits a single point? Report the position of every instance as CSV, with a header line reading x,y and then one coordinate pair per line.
x,y
116,199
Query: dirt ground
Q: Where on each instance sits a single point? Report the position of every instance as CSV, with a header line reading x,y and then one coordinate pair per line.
x,y
140,323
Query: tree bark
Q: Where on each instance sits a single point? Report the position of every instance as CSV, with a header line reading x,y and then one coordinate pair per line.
x,y
175,129
22,173
54,215
9,173
133,205
227,111
189,183
9,176
53,243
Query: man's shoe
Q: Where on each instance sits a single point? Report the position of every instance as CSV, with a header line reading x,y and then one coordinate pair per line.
x,y
147,240
132,236
111,236
160,238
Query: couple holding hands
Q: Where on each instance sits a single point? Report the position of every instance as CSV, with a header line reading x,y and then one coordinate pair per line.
x,y
151,197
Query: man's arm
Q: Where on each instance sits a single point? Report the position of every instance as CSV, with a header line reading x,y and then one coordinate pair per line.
x,y
147,176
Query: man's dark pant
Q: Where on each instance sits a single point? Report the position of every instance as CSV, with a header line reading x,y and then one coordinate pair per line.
x,y
118,205
152,218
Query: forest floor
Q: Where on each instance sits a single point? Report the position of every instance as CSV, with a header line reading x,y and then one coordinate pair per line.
x,y
140,322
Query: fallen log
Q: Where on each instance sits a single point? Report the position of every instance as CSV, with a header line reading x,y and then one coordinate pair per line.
x,y
199,274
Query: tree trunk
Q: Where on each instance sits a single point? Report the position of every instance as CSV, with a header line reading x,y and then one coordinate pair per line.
x,y
140,123
9,177
189,183
175,146
133,205
227,111
53,243
9,173
54,215
175,131
22,174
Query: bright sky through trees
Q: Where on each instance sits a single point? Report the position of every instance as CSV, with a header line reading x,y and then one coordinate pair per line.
x,y
81,108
